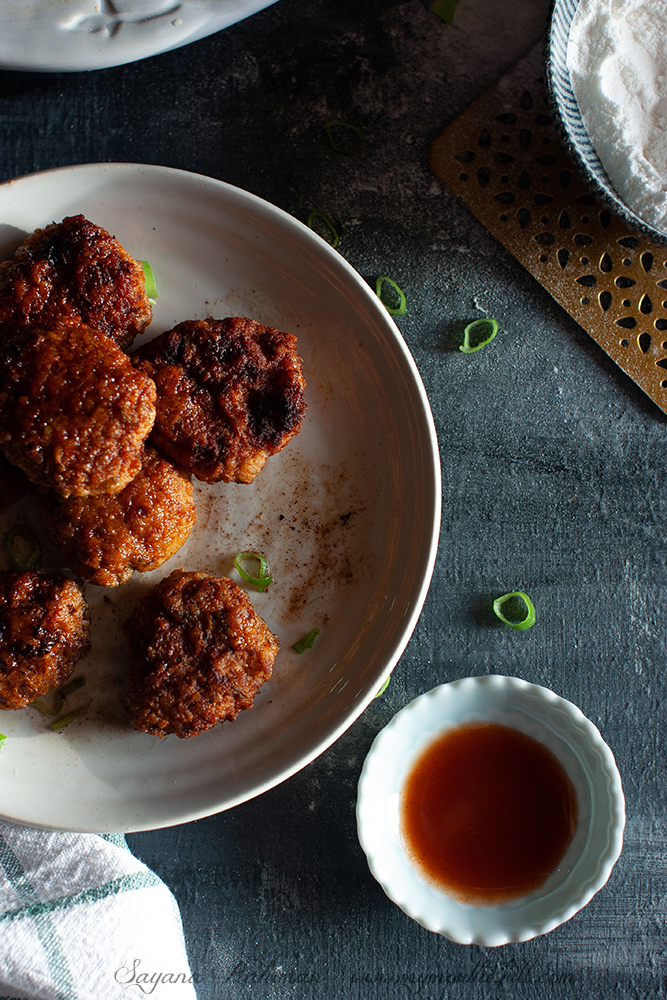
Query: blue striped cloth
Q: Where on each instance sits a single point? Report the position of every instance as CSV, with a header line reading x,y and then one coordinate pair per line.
x,y
82,918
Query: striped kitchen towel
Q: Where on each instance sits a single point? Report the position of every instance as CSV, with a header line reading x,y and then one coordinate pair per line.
x,y
81,917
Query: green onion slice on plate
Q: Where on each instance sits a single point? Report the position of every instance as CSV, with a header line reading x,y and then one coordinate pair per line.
x,y
306,641
45,709
383,688
149,282
23,535
520,602
71,686
65,720
262,579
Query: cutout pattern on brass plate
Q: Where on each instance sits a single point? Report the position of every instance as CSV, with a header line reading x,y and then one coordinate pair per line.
x,y
504,158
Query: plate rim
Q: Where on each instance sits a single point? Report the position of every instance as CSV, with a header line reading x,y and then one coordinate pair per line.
x,y
120,54
431,488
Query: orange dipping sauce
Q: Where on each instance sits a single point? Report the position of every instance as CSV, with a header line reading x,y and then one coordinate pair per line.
x,y
487,813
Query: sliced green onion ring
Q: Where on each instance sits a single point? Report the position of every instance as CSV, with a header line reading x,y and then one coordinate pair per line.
x,y
444,9
45,709
314,215
263,579
149,282
71,686
306,641
486,329
18,531
65,720
338,125
2,738
400,309
521,623
383,688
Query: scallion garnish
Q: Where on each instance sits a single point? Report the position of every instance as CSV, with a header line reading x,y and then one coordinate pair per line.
x,y
149,282
384,687
59,696
306,641
478,334
394,310
71,686
45,709
16,533
263,578
340,127
65,720
522,612
2,738
314,216
444,9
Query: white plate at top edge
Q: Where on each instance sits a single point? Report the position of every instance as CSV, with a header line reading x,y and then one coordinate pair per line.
x,y
348,513
69,35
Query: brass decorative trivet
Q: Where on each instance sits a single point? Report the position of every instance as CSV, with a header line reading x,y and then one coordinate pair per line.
x,y
504,158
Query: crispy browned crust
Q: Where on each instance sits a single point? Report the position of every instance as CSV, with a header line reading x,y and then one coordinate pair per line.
x,y
74,270
198,655
74,413
44,630
230,394
106,538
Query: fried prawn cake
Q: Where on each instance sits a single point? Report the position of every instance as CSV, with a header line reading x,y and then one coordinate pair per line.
x,y
230,393
106,538
198,655
44,630
74,270
74,413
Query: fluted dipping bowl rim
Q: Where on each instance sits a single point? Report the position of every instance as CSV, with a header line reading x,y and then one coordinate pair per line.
x,y
576,743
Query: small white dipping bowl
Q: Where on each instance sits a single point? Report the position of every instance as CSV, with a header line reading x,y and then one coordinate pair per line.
x,y
574,741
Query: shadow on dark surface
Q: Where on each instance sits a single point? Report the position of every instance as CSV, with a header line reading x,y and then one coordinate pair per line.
x,y
451,336
482,609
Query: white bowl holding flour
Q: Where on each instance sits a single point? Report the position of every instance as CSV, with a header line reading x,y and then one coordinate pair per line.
x,y
617,62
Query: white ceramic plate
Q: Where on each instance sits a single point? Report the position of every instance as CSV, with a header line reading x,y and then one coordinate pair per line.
x,y
65,35
540,714
348,513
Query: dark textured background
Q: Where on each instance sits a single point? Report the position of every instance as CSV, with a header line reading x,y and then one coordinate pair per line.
x,y
553,482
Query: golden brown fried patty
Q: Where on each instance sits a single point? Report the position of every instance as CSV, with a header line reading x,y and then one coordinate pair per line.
x,y
105,538
198,655
74,270
74,413
230,393
44,630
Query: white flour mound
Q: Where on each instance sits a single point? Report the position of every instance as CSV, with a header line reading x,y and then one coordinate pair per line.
x,y
617,58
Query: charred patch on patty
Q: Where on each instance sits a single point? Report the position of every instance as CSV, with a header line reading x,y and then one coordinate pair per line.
x,y
44,631
230,393
74,270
